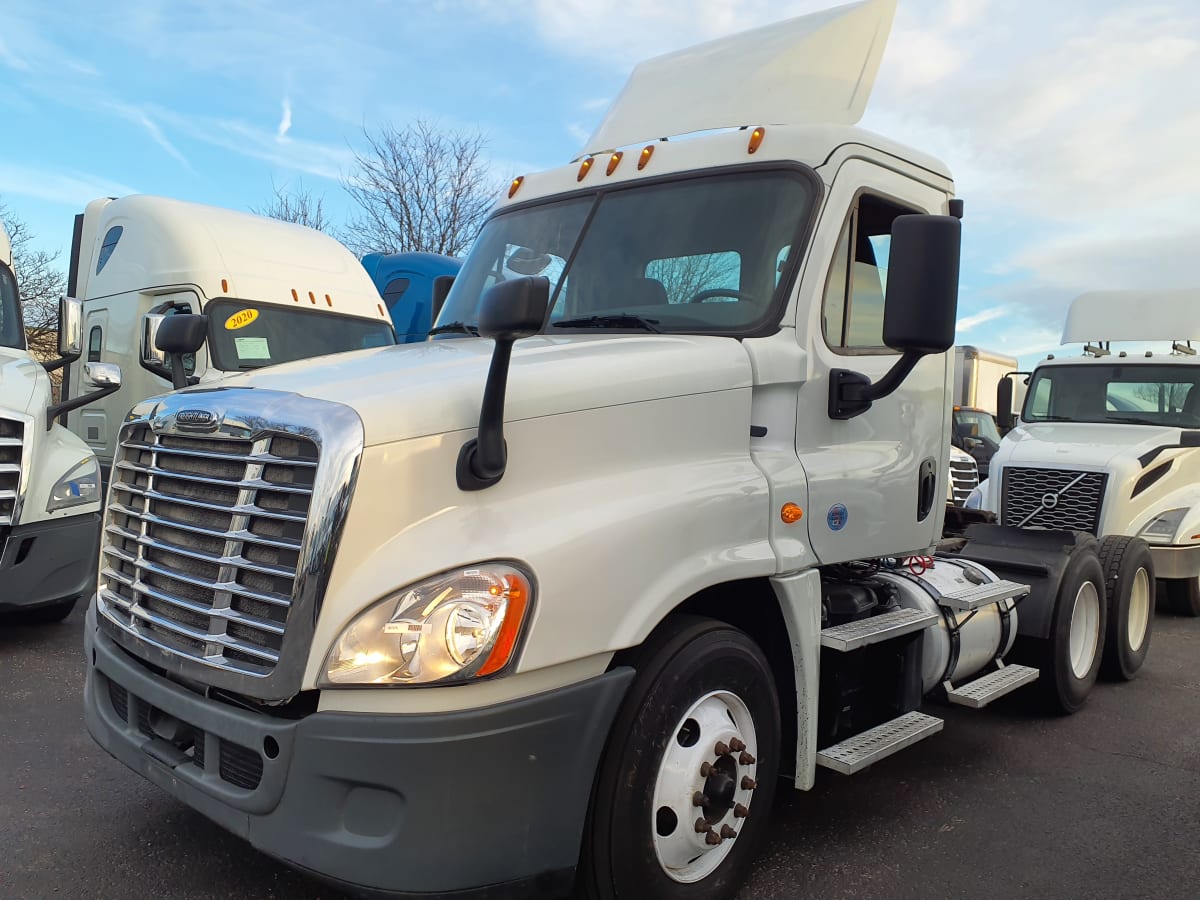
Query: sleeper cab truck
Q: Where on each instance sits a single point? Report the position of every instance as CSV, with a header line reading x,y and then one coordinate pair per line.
x,y
271,291
413,286
558,598
49,479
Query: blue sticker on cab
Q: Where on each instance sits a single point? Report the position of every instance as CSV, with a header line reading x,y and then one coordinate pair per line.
x,y
837,516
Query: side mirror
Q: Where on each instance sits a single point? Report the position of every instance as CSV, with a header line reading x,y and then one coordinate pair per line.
x,y
102,375
178,336
920,308
441,290
508,311
1004,404
70,328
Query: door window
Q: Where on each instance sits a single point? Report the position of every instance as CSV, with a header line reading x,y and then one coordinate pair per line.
x,y
95,343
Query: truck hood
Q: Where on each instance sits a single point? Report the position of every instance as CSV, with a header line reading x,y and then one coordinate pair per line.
x,y
414,390
18,380
1083,444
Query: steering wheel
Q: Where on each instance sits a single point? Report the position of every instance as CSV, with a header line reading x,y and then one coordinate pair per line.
x,y
721,292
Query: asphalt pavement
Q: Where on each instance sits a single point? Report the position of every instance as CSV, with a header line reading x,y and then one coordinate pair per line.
x,y
1005,802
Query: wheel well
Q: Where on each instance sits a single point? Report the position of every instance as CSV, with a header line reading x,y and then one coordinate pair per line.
x,y
750,606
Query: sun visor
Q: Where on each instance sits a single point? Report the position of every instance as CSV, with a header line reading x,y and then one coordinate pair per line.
x,y
1133,316
814,69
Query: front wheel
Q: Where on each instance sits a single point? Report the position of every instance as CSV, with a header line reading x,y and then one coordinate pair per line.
x,y
1183,596
1129,584
1070,658
684,789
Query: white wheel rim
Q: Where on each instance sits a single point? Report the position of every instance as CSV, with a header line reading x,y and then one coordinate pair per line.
x,y
1085,629
1139,609
692,765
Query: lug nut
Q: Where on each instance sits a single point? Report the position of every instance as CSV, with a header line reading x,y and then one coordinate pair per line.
x,y
698,799
748,783
735,745
727,832
701,826
712,838
739,811
722,749
746,759
705,768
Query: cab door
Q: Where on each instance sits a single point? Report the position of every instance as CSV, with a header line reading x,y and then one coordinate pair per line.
x,y
875,480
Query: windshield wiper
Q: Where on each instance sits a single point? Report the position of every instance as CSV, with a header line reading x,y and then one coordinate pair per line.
x,y
1133,420
455,328
619,320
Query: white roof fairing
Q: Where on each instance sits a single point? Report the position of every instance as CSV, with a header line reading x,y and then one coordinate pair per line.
x,y
814,69
1133,316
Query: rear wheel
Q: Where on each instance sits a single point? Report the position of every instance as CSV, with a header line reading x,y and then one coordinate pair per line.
x,y
684,789
1070,658
1183,596
1129,585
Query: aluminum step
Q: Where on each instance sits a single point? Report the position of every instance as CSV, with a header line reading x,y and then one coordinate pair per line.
x,y
974,596
982,691
861,632
878,743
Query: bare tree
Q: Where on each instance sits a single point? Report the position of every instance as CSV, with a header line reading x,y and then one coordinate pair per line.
x,y
298,206
40,282
419,188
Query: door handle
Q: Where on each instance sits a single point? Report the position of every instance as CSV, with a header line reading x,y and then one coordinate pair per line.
x,y
926,488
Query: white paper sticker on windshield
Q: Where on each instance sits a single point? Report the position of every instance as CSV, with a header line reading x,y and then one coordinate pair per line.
x,y
252,348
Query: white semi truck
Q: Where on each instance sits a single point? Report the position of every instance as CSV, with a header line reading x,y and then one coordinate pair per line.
x,y
49,480
1107,441
558,597
272,292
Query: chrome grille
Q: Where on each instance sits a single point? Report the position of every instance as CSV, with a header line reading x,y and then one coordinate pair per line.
x,y
11,438
1065,499
203,541
964,476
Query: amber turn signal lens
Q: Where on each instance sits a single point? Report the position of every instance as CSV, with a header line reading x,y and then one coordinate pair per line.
x,y
613,162
516,185
506,641
756,138
584,168
647,152
791,514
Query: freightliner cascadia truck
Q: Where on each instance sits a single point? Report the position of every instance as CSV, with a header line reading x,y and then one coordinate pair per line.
x,y
558,598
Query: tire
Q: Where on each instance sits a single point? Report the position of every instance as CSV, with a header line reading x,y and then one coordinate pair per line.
x,y
44,615
699,682
1129,586
1080,611
1183,596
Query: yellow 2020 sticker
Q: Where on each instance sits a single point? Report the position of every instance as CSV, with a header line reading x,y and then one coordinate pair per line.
x,y
241,319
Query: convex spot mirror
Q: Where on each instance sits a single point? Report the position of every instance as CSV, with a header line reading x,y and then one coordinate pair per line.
x,y
70,327
102,375
921,305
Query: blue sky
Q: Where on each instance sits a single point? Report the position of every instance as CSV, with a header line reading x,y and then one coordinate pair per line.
x,y
1071,126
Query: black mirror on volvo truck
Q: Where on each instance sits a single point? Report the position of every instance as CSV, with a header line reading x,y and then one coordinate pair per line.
x,y
1004,405
919,311
178,336
508,311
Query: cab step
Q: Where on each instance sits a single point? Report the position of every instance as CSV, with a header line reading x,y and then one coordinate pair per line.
x,y
861,632
982,691
975,596
880,742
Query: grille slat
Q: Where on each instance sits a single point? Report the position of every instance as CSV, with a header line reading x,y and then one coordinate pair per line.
x,y
1063,499
203,543
12,437
964,476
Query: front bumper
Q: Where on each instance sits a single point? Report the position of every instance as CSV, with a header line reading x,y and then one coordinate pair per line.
x,y
487,802
1175,562
48,561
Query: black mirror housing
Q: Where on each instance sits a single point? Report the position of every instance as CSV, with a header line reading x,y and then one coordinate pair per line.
x,y
1004,404
922,284
441,290
181,334
515,308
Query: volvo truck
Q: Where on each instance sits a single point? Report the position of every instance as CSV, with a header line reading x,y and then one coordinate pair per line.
x,y
558,598
49,479
272,291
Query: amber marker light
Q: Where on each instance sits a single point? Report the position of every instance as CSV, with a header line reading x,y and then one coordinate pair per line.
x,y
585,167
224,286
515,186
295,295
791,514
756,138
647,152
517,592
382,312
328,300
613,162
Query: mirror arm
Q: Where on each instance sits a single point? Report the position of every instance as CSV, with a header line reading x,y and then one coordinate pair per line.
x,y
75,402
482,460
179,377
55,364
852,393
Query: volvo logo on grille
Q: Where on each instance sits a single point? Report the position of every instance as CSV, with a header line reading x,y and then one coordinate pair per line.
x,y
196,420
1049,501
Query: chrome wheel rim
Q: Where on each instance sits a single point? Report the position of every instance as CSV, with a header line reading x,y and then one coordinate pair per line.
x,y
1085,629
1139,609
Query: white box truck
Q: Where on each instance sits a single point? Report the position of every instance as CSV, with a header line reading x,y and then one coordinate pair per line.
x,y
49,480
272,292
976,375
557,597
1106,441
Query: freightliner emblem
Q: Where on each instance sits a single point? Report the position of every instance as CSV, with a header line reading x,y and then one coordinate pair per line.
x,y
196,420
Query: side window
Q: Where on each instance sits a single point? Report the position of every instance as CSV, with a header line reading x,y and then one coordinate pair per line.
x,y
852,311
1039,403
108,245
394,291
95,342
686,277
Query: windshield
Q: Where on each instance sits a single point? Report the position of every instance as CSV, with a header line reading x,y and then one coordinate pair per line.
x,y
1135,395
975,423
697,254
245,335
11,332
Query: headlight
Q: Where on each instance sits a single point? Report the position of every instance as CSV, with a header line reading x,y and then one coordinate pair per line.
x,y
447,629
1161,529
79,486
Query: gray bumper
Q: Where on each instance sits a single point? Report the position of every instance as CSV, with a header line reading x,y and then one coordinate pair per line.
x,y
49,561
1176,562
489,801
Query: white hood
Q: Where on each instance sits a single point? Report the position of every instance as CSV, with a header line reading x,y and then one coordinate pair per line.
x,y
1081,445
20,379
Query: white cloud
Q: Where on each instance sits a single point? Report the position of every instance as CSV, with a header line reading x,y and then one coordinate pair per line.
x,y
57,185
578,132
285,122
986,315
141,117
10,58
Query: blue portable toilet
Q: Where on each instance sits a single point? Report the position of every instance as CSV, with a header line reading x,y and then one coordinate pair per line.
x,y
405,281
